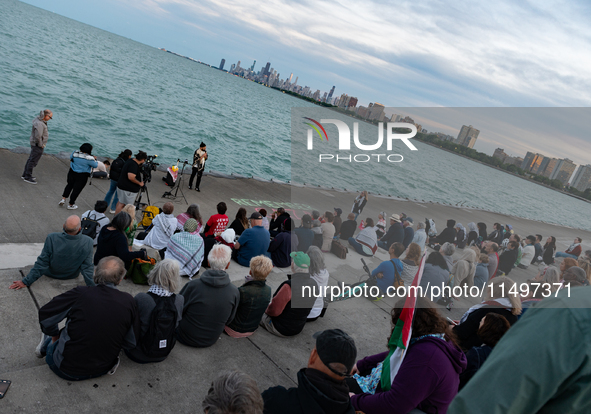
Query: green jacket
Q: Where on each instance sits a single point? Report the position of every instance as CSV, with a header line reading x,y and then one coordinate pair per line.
x,y
541,365
64,257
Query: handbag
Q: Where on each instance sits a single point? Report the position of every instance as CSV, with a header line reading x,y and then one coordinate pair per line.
x,y
397,279
139,270
338,249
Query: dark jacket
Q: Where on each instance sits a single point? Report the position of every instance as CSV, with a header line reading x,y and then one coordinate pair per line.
x,y
276,224
460,236
305,238
100,321
237,226
280,249
395,234
210,304
292,319
409,234
317,393
254,299
507,260
476,357
497,236
467,331
428,379
448,235
114,243
348,229
337,222
548,255
116,167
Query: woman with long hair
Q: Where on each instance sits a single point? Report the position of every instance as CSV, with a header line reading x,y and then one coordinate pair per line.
x,y
240,223
428,377
132,228
112,241
318,272
191,213
549,249
502,297
410,264
565,265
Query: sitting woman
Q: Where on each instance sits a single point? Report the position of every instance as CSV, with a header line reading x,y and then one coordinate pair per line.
x,y
187,249
381,226
112,241
566,264
366,242
498,300
240,223
192,212
319,273
472,234
428,377
492,327
461,236
549,249
465,268
410,264
164,280
132,229
481,274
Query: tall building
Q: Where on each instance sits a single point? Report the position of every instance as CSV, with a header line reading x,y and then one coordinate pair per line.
x,y
582,179
376,111
467,136
222,63
266,69
252,67
532,162
563,171
330,95
352,103
500,154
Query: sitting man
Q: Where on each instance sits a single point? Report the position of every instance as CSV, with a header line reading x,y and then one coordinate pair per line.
x,y
186,248
233,392
281,246
216,223
278,219
164,226
253,242
491,249
395,233
573,251
101,321
304,233
254,299
65,255
321,386
210,302
529,252
348,227
98,215
282,318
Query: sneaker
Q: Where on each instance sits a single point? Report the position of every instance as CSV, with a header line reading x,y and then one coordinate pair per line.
x,y
112,211
197,189
41,349
190,187
61,203
30,180
72,207
114,369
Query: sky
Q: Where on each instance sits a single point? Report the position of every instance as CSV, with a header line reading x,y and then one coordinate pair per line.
x,y
400,54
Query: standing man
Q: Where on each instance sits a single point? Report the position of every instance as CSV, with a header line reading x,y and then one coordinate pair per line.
x,y
38,142
198,166
130,180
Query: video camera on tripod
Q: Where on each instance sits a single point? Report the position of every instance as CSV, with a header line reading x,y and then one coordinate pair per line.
x,y
147,168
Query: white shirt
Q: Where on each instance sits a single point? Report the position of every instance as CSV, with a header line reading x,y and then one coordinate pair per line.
x,y
102,221
164,227
322,280
529,252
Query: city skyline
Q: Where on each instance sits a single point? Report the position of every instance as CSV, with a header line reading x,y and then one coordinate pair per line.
x,y
431,57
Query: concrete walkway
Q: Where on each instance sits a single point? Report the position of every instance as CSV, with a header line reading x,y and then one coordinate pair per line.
x,y
179,384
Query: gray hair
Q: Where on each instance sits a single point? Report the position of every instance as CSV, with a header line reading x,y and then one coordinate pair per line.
x,y
233,392
165,274
316,260
420,225
219,257
551,275
448,249
110,269
46,112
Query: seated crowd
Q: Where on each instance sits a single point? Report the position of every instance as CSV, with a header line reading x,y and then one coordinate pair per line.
x,y
441,359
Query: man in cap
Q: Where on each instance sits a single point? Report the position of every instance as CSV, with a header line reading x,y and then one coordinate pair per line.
x,y
253,241
409,233
38,141
304,233
293,300
321,386
395,233
198,165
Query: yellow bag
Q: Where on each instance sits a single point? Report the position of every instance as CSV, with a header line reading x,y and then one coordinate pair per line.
x,y
148,215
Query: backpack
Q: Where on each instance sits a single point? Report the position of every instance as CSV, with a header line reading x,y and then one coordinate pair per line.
x,y
89,226
148,215
159,338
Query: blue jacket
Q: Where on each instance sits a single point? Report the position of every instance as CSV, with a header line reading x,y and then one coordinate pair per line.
x,y
81,162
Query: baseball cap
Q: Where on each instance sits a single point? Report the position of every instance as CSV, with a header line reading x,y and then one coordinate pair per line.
x,y
300,259
256,216
338,210
409,219
336,346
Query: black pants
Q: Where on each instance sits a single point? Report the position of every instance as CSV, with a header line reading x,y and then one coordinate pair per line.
x,y
76,182
197,172
34,157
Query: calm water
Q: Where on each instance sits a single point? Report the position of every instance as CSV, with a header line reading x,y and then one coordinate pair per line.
x,y
117,93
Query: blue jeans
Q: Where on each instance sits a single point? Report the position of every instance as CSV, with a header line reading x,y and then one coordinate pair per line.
x,y
562,254
49,359
112,193
358,247
383,245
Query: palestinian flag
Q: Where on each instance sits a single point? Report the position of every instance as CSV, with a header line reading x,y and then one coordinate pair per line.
x,y
401,335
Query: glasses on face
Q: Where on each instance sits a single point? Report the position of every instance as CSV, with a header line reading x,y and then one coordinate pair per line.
x,y
50,116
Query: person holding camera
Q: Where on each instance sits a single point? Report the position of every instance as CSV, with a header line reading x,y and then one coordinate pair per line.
x,y
198,166
130,180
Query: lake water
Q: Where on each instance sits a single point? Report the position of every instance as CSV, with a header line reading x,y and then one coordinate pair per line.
x,y
116,93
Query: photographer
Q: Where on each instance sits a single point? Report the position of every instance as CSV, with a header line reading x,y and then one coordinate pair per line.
x,y
130,180
198,166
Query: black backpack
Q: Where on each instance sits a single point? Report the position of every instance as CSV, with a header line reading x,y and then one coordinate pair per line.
x,y
159,338
89,226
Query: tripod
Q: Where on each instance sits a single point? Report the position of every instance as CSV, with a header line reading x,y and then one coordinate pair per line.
x,y
178,183
138,198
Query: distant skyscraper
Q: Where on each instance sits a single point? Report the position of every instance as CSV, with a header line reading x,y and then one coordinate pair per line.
x,y
238,66
222,63
252,67
582,179
563,171
467,136
266,69
330,95
376,111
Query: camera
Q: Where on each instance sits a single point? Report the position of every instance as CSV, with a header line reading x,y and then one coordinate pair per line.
x,y
148,167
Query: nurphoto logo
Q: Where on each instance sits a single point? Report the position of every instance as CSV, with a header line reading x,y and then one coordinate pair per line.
x,y
392,133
